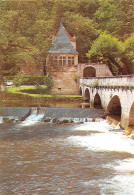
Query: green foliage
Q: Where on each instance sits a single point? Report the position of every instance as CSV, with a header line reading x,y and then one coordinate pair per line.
x,y
129,48
37,81
84,30
19,80
76,77
128,54
25,34
106,46
6,78
107,49
115,17
26,29
33,80
30,91
48,82
37,90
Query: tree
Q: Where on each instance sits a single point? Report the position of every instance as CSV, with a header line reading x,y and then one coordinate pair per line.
x,y
84,31
26,29
57,13
25,34
115,17
128,53
107,49
87,8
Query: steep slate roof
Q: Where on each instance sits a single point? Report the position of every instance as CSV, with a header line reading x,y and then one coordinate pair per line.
x,y
62,43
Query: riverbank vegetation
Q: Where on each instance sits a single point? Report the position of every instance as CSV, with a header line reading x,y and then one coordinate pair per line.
x,y
34,92
104,27
15,96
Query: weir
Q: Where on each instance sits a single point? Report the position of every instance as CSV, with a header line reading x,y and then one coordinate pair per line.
x,y
73,113
35,113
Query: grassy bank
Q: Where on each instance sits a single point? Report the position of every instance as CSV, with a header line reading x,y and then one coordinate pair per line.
x,y
20,96
25,90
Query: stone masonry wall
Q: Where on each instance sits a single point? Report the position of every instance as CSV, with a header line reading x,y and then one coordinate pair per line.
x,y
64,82
123,88
102,70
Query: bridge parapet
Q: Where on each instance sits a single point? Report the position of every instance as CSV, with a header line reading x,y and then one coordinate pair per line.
x,y
122,81
114,94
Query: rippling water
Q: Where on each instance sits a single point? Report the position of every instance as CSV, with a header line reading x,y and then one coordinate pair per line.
x,y
40,158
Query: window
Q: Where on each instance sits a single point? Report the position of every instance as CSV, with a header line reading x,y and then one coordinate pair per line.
x,y
53,60
62,60
70,60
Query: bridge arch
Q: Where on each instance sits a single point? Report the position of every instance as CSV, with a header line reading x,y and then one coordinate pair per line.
x,y
97,101
131,115
114,106
87,95
89,71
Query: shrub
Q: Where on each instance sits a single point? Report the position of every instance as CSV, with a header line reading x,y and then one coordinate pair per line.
x,y
40,90
19,80
48,82
33,80
6,78
27,79
76,77
36,90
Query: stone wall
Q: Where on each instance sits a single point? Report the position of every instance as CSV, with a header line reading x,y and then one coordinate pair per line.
x,y
109,88
123,80
64,79
102,70
64,82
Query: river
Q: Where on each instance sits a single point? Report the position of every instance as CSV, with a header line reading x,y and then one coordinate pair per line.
x,y
38,158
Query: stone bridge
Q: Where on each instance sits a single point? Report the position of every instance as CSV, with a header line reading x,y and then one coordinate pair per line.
x,y
114,94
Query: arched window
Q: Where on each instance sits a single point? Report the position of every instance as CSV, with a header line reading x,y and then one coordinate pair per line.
x,y
89,72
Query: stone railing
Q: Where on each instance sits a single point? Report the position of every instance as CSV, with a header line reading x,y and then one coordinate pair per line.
x,y
120,81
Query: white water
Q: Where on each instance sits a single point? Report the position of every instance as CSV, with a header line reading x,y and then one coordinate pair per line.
x,y
104,141
32,119
1,119
108,141
76,120
68,162
118,185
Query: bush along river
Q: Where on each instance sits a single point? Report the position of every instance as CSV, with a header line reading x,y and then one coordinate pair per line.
x,y
63,151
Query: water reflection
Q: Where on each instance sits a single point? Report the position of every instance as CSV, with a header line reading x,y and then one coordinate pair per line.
x,y
51,104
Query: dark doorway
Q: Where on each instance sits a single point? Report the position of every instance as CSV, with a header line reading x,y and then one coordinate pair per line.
x,y
87,95
89,72
80,91
114,106
97,101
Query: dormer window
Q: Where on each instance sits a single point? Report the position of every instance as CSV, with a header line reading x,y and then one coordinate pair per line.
x,y
62,60
71,60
